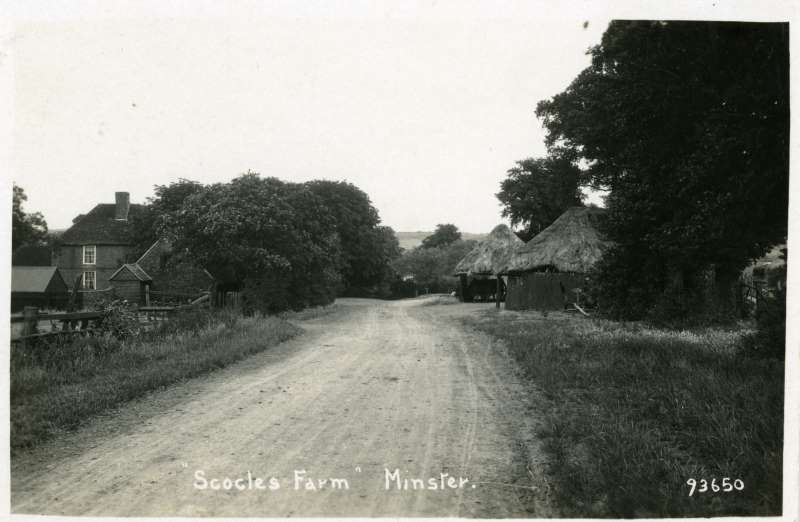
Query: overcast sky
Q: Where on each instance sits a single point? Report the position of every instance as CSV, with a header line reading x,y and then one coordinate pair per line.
x,y
424,108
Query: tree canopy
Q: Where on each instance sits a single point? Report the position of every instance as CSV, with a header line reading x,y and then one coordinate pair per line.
x,y
538,190
287,245
432,267
687,125
443,235
26,228
150,222
366,247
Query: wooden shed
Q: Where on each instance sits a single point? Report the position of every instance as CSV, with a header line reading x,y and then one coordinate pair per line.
x,y
478,270
544,273
131,282
39,286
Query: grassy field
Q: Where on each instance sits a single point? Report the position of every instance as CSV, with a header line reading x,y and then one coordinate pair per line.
x,y
631,413
55,388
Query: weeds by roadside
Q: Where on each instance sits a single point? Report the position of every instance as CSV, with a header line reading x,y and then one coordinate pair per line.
x,y
633,412
58,386
441,299
310,313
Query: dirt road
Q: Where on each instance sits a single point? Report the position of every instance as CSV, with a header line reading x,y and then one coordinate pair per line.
x,y
375,388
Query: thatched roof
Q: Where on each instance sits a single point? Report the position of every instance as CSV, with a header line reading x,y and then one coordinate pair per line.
x,y
572,243
491,254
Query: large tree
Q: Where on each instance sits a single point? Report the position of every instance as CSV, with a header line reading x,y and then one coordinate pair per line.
x,y
278,240
26,228
444,234
151,221
538,190
687,125
366,248
287,244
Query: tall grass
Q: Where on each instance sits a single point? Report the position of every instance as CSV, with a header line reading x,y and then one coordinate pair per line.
x,y
310,313
440,299
58,386
632,413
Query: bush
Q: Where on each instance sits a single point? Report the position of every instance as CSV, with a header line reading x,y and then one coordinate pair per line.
x,y
121,319
267,294
629,286
621,288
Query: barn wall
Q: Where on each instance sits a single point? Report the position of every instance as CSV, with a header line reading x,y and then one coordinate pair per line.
x,y
130,290
92,298
481,288
41,300
463,291
57,285
541,291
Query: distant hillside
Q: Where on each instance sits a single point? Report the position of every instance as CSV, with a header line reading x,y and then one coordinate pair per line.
x,y
409,240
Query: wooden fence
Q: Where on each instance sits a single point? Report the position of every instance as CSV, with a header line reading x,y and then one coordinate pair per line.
x,y
156,298
33,324
756,296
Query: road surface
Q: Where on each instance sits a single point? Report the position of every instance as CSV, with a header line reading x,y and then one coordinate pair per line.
x,y
370,397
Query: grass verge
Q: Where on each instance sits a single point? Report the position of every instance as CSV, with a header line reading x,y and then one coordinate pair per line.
x,y
62,385
441,299
632,413
310,313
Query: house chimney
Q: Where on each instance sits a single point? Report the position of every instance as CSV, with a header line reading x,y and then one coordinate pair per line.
x,y
123,200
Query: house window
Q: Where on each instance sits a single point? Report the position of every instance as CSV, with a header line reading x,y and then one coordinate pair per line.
x,y
89,281
89,254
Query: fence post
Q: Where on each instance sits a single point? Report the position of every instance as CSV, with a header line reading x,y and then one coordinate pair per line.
x,y
30,316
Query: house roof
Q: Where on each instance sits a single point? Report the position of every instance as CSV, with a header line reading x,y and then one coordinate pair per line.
x,y
159,244
572,243
490,255
151,260
100,227
134,269
33,278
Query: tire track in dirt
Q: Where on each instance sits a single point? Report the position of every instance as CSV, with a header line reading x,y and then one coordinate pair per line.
x,y
374,385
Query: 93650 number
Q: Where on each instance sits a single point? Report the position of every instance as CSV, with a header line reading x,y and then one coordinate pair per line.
x,y
703,485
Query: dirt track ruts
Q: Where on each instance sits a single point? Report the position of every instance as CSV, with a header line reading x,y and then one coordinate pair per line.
x,y
373,385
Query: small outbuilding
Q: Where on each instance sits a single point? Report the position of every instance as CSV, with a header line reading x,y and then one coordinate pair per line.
x,y
175,275
478,270
544,273
132,283
39,286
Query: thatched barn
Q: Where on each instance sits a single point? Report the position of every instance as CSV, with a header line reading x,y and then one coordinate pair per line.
x,y
478,270
543,273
